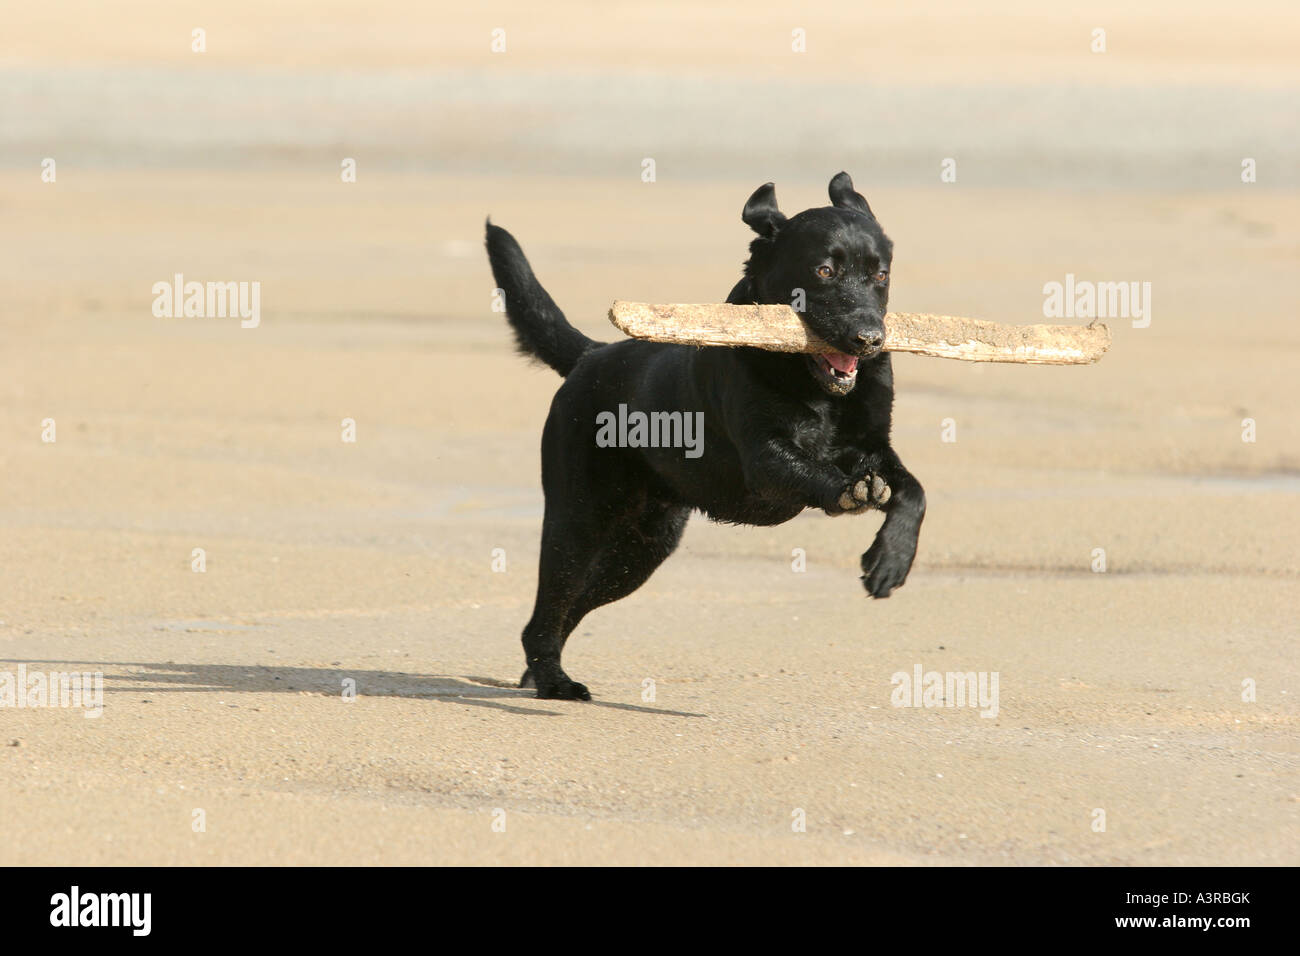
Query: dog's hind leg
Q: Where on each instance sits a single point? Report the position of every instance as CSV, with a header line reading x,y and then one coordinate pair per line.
x,y
569,551
620,564
629,560
581,512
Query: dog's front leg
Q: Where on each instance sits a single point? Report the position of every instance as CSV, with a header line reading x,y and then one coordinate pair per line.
x,y
887,562
780,469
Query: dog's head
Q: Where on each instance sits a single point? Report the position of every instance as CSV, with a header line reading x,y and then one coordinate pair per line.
x,y
832,265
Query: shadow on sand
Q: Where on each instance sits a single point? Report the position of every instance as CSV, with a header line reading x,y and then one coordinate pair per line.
x,y
171,677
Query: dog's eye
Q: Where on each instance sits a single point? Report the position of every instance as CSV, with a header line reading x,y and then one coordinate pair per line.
x,y
881,276
825,271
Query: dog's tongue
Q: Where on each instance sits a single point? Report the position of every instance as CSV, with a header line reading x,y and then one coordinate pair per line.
x,y
841,362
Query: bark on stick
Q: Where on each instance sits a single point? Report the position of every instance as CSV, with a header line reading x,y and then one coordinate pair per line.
x,y
778,328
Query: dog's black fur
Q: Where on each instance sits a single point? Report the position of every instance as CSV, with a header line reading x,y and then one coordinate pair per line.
x,y
781,432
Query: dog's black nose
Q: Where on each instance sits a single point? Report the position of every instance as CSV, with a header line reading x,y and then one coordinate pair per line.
x,y
871,338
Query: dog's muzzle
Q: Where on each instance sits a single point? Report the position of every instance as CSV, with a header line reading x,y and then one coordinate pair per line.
x,y
836,372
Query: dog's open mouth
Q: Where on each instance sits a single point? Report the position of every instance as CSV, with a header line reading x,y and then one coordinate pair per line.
x,y
835,371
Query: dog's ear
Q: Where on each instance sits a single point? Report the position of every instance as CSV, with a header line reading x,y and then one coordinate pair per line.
x,y
844,196
760,212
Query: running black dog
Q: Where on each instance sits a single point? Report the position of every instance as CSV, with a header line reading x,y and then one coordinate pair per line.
x,y
780,432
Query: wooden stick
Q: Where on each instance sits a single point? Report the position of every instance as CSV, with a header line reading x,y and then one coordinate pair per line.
x,y
778,328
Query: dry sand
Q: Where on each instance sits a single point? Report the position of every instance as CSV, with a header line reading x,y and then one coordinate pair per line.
x,y
372,561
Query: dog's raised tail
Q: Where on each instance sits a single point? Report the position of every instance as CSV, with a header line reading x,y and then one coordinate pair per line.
x,y
541,330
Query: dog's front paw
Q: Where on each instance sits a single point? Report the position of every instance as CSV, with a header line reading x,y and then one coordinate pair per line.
x,y
872,490
886,564
868,492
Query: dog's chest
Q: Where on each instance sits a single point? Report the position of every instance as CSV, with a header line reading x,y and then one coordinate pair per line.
x,y
819,431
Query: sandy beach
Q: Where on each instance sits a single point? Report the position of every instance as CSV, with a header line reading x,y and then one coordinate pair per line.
x,y
331,566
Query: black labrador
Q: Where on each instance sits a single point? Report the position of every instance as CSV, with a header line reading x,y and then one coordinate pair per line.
x,y
779,432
